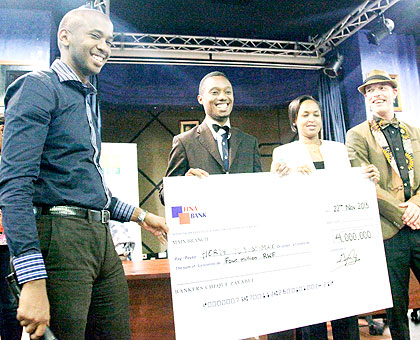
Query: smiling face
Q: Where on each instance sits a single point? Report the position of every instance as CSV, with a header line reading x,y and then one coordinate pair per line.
x,y
85,42
381,97
308,120
216,96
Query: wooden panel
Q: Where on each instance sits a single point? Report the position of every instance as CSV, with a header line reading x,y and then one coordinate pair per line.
x,y
414,292
151,314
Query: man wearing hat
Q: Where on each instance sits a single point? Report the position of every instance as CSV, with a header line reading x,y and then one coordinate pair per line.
x,y
391,145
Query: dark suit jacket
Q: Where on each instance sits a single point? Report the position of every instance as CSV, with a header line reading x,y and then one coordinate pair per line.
x,y
362,146
197,148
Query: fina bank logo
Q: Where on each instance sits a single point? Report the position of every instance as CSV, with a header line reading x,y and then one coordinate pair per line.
x,y
186,214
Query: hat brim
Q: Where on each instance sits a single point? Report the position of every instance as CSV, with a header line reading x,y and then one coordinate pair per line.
x,y
392,82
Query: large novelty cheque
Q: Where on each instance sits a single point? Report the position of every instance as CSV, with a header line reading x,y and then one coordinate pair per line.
x,y
254,254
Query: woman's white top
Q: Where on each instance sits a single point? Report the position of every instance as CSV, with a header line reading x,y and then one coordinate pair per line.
x,y
296,154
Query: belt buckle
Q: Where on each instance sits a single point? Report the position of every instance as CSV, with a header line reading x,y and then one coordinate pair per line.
x,y
105,216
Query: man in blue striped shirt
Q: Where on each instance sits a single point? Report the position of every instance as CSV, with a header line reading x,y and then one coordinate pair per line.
x,y
63,254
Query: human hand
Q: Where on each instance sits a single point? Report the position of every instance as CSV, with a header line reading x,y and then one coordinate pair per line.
x,y
411,216
197,172
280,168
371,172
34,308
157,226
304,169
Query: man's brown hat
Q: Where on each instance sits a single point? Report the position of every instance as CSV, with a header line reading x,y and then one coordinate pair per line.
x,y
377,76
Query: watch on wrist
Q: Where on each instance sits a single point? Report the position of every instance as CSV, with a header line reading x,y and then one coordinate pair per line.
x,y
141,217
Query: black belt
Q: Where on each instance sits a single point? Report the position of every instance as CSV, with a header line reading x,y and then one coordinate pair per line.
x,y
102,216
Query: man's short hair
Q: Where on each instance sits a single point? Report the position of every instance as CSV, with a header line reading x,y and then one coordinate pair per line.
x,y
210,75
294,108
72,19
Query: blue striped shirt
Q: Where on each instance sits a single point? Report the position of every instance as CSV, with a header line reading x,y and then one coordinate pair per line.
x,y
50,157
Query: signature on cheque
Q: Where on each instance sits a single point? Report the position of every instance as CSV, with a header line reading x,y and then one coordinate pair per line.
x,y
348,259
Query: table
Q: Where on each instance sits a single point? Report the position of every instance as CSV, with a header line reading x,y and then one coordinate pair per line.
x,y
151,314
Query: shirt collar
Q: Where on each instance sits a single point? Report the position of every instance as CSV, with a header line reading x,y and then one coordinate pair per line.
x,y
65,73
210,121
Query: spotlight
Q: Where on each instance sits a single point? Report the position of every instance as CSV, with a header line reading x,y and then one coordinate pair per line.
x,y
333,65
383,28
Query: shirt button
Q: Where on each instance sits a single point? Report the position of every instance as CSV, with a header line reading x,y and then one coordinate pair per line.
x,y
401,167
397,149
225,157
405,184
392,132
223,143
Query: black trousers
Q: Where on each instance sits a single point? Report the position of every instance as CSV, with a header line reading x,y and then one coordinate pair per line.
x,y
86,285
10,328
402,253
342,329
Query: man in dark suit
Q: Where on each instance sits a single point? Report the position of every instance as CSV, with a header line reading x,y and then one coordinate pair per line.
x,y
201,151
393,147
214,147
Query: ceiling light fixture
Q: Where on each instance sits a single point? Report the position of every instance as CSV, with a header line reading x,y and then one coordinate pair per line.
x,y
332,66
381,30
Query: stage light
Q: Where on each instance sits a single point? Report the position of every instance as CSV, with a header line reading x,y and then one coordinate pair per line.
x,y
333,65
383,28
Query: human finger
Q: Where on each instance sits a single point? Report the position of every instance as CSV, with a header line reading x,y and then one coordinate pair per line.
x,y
163,239
200,173
39,332
304,170
412,215
275,166
283,170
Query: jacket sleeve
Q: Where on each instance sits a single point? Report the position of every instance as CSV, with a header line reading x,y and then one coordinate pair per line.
x,y
177,164
277,156
257,158
415,134
358,148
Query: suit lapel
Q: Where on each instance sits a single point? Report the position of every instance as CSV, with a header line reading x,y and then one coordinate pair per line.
x,y
206,139
234,142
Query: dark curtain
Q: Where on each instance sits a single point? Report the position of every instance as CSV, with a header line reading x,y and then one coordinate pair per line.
x,y
329,95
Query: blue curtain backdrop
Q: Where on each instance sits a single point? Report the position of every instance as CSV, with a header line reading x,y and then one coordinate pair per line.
x,y
139,85
25,36
329,95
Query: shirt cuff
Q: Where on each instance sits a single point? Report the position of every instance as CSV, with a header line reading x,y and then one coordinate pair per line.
x,y
30,267
122,212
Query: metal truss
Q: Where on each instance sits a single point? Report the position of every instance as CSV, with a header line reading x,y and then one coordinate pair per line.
x,y
137,48
356,20
177,49
100,5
